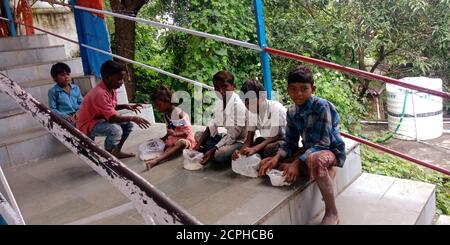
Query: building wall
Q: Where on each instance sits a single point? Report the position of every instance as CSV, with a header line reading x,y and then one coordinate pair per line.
x,y
58,20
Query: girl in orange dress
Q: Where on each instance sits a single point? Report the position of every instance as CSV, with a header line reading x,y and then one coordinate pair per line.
x,y
179,129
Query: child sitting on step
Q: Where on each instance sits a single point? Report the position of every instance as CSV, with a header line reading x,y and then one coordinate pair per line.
x,y
65,97
316,121
179,129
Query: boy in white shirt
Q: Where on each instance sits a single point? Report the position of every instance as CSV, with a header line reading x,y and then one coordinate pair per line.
x,y
230,112
267,116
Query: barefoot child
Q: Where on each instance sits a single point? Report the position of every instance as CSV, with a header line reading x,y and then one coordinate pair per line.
x,y
65,97
179,130
316,121
98,114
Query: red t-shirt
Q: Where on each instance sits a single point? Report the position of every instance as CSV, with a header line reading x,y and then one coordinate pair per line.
x,y
99,103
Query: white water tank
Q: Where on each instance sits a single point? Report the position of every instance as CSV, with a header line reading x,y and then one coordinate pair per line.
x,y
423,117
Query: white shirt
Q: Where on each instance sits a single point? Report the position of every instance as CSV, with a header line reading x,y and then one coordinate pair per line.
x,y
271,120
233,118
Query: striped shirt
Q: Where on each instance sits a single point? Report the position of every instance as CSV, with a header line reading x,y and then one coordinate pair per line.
x,y
316,122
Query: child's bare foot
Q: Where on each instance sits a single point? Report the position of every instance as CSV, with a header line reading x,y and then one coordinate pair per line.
x,y
330,219
150,164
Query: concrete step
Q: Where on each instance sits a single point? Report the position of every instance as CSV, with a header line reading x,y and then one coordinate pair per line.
x,y
443,220
380,200
31,56
39,71
32,144
23,42
38,89
63,189
16,121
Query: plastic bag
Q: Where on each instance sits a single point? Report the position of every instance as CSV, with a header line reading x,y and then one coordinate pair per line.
x,y
277,178
247,165
151,149
192,159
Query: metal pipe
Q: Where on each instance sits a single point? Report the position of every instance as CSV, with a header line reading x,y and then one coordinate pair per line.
x,y
356,72
123,58
162,25
261,31
386,122
12,28
396,153
8,213
374,122
10,195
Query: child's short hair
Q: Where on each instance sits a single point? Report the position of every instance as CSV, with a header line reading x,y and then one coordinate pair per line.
x,y
255,86
163,93
223,76
301,74
59,68
110,68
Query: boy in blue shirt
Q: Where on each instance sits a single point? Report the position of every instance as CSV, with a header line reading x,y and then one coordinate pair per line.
x,y
316,121
65,97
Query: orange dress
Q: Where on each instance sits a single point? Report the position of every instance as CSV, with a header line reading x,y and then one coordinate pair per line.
x,y
180,125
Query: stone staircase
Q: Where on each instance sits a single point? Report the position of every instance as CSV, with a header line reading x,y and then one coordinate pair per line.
x,y
27,60
53,186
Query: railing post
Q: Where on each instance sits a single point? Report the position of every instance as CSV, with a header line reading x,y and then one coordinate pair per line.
x,y
11,196
8,215
12,27
265,62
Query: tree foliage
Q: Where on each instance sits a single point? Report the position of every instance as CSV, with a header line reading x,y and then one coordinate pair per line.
x,y
396,38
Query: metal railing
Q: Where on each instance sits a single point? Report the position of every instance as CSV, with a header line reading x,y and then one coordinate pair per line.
x,y
289,55
8,213
317,62
154,206
11,198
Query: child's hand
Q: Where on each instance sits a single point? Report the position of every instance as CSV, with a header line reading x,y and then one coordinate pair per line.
x,y
267,164
291,171
248,151
208,155
135,108
141,122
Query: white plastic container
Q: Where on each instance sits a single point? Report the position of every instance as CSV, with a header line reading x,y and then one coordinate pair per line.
x,y
247,165
277,178
151,149
192,160
423,119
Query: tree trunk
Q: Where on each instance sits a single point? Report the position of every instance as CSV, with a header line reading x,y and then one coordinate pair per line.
x,y
362,67
125,37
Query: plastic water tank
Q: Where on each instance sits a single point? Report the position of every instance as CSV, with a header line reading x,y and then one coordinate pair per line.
x,y
423,117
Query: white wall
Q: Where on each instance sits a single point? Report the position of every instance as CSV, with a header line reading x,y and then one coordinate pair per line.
x,y
58,20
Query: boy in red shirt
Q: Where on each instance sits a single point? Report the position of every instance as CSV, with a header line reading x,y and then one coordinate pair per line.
x,y
98,114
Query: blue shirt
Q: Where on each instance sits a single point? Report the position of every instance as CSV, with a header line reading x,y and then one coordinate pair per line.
x,y
316,121
63,103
